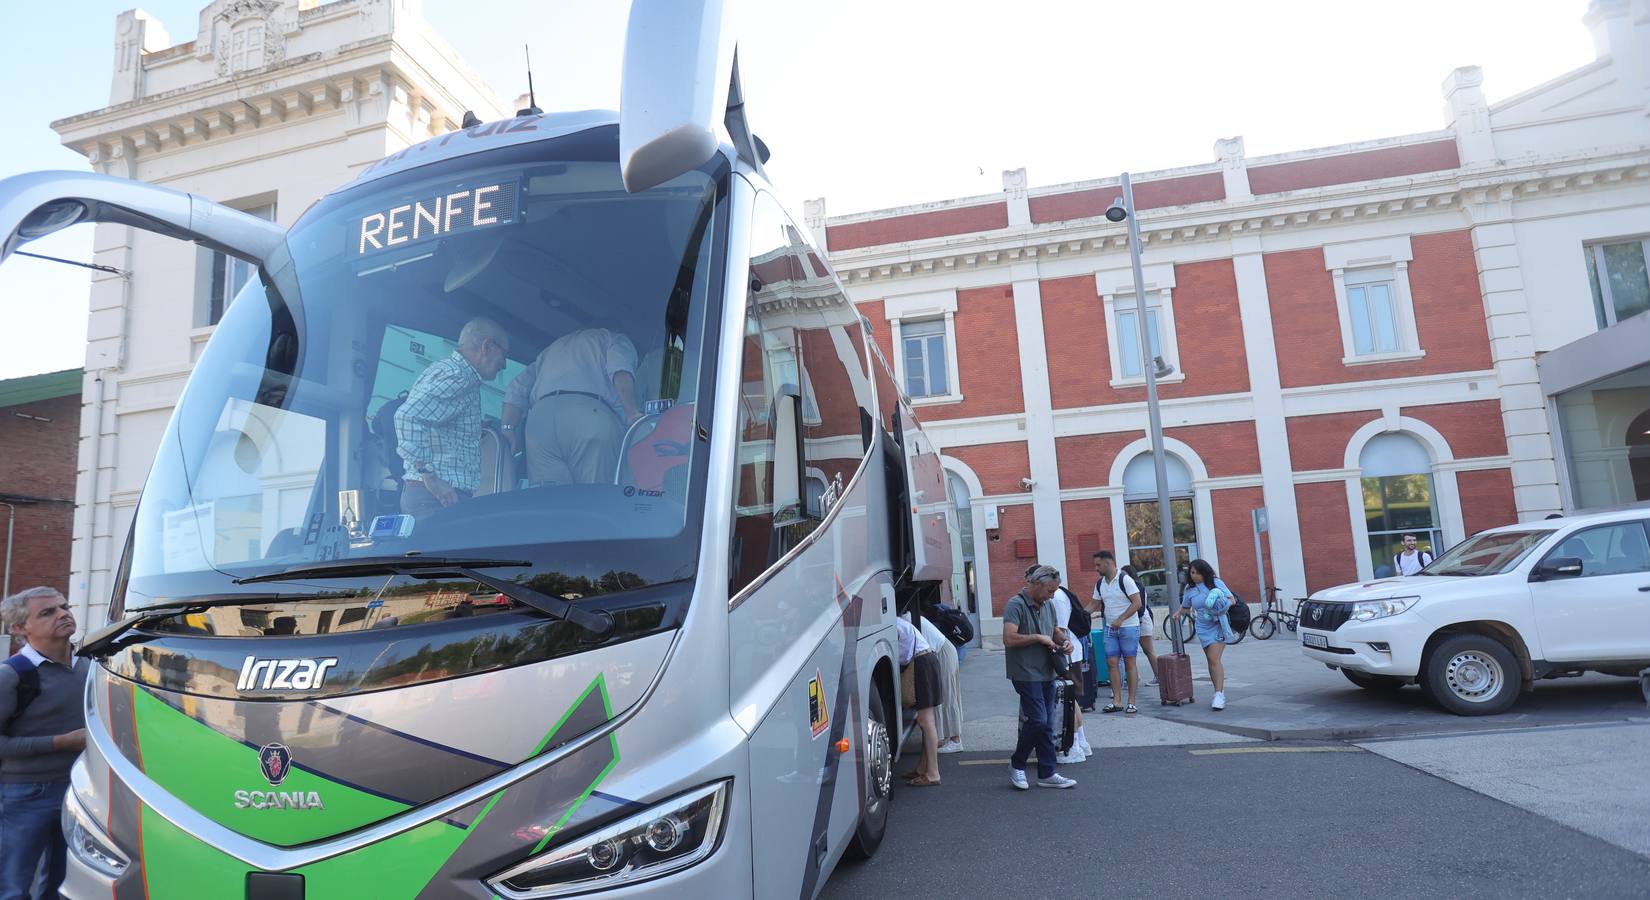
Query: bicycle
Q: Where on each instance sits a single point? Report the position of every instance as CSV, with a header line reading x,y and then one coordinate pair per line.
x,y
1188,630
1266,624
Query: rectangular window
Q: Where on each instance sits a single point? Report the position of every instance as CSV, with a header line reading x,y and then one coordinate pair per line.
x,y
230,274
1616,273
926,371
1373,314
1128,341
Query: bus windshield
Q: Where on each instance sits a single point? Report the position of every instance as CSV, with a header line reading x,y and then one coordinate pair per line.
x,y
498,355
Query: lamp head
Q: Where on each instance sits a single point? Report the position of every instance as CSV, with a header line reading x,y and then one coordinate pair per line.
x,y
1116,212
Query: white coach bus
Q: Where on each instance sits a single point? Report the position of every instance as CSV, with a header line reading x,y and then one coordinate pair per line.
x,y
385,627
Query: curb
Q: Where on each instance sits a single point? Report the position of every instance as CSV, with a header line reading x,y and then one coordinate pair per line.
x,y
1359,733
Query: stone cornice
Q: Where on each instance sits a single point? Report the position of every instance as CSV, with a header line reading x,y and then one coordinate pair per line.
x,y
300,88
1269,214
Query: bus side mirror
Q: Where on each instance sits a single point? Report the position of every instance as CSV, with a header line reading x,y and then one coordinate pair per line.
x,y
673,97
36,204
1557,567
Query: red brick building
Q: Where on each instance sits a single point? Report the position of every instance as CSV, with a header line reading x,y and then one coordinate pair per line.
x,y
1354,334
39,436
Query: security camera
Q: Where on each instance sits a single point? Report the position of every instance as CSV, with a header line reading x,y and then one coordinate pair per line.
x,y
1027,483
1116,212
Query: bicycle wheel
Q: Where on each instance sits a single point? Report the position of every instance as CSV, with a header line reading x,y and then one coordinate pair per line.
x,y
1188,629
1168,628
1263,627
1233,636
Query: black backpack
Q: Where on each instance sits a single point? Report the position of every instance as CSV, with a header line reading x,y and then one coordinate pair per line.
x,y
1080,623
28,688
1238,614
953,623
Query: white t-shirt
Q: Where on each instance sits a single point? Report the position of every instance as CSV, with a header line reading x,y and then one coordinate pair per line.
x,y
1061,601
1411,563
1113,594
910,641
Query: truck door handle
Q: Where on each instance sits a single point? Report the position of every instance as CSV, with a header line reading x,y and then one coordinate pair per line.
x,y
1645,589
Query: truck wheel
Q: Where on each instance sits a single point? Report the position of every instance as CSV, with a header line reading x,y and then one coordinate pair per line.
x,y
879,780
1369,682
1472,675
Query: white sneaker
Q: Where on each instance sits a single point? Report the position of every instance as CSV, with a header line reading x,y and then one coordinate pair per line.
x,y
1087,750
1017,777
951,747
1057,781
1152,682
1220,700
1070,758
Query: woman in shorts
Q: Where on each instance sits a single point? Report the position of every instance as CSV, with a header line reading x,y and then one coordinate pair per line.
x,y
915,652
1207,598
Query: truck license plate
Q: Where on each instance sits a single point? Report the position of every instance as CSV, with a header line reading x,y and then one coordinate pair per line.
x,y
1314,640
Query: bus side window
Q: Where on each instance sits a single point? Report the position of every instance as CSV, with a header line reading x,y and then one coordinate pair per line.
x,y
805,396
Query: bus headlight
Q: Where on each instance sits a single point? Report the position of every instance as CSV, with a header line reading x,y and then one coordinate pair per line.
x,y
666,837
1380,609
87,840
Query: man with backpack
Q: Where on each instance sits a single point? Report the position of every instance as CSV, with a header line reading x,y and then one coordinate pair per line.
x,y
42,730
1412,560
1120,603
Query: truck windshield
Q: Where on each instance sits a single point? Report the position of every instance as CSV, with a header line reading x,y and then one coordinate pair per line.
x,y
1486,554
497,355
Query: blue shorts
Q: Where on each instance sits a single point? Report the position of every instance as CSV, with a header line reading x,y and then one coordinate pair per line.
x,y
1123,641
1210,632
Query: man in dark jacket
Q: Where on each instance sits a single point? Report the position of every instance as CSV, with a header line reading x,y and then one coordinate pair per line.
x,y
42,731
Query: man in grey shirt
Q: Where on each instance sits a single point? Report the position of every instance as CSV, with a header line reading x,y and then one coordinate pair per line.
x,y
42,730
1030,639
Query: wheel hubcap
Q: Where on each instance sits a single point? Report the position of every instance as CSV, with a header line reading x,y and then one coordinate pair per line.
x,y
1474,676
881,764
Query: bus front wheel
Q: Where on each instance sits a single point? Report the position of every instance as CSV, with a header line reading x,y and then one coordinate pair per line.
x,y
879,779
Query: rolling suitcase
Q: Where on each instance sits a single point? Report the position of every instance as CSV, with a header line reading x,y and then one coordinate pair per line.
x,y
1174,678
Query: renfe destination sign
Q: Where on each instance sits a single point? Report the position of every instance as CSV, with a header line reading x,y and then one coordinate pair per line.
x,y
448,213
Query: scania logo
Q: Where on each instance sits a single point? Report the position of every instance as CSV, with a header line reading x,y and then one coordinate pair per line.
x,y
276,761
284,674
278,800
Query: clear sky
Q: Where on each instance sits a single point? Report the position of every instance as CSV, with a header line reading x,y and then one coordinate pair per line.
x,y
878,103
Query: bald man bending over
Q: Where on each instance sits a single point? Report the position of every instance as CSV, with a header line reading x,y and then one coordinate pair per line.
x,y
438,428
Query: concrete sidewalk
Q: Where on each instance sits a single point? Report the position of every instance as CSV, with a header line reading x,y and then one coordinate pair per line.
x,y
1274,692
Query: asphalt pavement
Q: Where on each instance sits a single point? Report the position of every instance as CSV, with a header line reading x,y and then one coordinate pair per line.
x,y
1229,820
1305,785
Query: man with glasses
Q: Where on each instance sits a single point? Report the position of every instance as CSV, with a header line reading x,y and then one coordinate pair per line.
x,y
438,428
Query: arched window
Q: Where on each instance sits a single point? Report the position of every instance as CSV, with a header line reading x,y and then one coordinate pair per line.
x,y
1398,499
1638,455
1141,516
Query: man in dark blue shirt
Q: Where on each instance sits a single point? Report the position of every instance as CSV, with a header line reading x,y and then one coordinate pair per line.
x,y
42,731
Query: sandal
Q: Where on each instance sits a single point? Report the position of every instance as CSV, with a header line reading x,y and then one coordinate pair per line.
x,y
923,781
1111,708
1130,710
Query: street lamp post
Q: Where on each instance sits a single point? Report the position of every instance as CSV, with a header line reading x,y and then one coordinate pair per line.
x,y
1123,208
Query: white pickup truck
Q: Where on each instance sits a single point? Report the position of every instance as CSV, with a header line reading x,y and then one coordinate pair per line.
x,y
1499,611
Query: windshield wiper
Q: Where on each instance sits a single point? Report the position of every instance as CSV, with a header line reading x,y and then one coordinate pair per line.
x,y
100,640
599,623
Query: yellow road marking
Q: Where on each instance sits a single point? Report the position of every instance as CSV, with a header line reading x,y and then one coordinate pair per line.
x,y
1276,750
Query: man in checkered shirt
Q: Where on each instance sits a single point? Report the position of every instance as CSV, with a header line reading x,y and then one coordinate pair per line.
x,y
438,428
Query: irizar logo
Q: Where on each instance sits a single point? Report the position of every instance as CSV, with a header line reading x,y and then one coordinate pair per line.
x,y
278,800
284,674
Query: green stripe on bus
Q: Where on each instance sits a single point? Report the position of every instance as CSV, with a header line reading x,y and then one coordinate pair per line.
x,y
176,864
203,769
